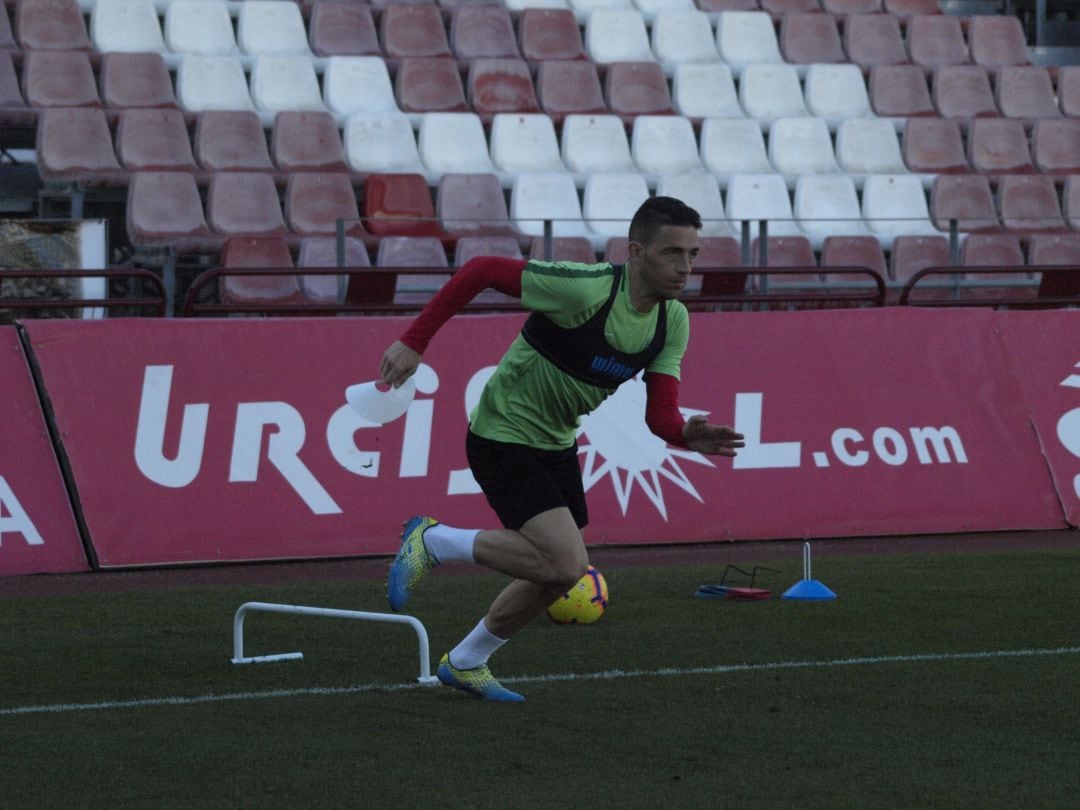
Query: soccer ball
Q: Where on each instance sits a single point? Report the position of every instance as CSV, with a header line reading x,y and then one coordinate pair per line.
x,y
584,603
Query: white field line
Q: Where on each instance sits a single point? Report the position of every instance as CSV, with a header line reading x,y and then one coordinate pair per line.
x,y
613,674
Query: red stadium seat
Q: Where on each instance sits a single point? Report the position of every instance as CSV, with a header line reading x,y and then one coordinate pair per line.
x,y
1026,92
900,91
963,91
154,141
472,205
810,39
935,40
784,251
1063,248
343,29
315,201
934,146
400,205
136,80
74,144
321,251
999,146
910,254
500,86
1029,204
59,79
997,40
51,25
429,85
874,39
782,8
164,210
413,251
847,7
413,31
564,249
1056,146
966,198
307,141
569,88
1071,201
637,88
550,33
854,251
1069,90
989,249
258,252
231,140
469,247
482,32
909,8
244,204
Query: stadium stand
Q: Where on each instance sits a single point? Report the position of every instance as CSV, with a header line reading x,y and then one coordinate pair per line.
x,y
231,140
307,142
136,80
343,29
153,140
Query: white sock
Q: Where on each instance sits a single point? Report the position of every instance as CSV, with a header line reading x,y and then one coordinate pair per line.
x,y
475,648
447,543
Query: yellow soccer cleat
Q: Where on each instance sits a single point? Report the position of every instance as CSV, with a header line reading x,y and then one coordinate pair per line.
x,y
478,682
413,560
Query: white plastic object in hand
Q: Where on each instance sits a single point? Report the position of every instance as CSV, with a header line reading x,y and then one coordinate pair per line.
x,y
378,406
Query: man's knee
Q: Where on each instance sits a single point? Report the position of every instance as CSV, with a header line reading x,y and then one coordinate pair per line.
x,y
568,569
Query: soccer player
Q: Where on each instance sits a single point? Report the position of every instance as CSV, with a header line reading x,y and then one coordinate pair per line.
x,y
592,328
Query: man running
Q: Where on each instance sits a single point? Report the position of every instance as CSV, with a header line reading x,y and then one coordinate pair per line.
x,y
592,328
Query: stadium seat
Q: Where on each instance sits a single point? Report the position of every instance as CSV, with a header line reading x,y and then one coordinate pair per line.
x,y
987,250
800,146
280,83
1056,146
469,247
610,201
1026,91
966,198
413,31
321,251
59,79
1069,90
453,142
895,205
999,146
836,93
358,84
258,252
652,9
536,197
500,86
212,83
584,8
905,9
520,6
768,92
827,205
231,140
482,32
756,197
7,33
129,26
784,251
910,254
564,249
717,251
307,142
1061,248
412,251
963,91
74,144
848,7
244,204
705,90
874,40
550,33
525,143
717,6
779,9
315,201
569,88
429,85
935,146
701,192
472,205
934,40
595,143
637,88
664,144
164,210
899,91
731,146
399,204
1029,204
136,80
271,28
867,146
154,140
812,38
1071,201
199,26
381,142
854,251
50,25
342,29
997,40
746,37
680,37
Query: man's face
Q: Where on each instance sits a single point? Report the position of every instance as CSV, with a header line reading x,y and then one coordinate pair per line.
x,y
665,262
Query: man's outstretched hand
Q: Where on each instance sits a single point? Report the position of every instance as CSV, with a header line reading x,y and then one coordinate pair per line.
x,y
712,440
398,364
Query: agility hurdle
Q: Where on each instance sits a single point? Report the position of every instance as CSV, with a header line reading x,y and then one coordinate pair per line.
x,y
426,678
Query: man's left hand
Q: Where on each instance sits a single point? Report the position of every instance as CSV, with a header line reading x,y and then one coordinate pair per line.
x,y
712,440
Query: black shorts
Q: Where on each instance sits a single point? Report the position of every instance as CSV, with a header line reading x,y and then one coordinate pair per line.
x,y
520,481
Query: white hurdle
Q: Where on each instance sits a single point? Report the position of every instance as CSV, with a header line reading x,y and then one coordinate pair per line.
x,y
426,678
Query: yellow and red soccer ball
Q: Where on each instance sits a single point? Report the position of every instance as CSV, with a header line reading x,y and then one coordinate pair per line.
x,y
584,603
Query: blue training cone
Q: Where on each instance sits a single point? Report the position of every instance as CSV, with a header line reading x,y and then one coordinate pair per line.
x,y
808,589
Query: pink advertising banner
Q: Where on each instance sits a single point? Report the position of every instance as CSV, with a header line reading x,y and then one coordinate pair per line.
x,y
217,440
37,528
1044,348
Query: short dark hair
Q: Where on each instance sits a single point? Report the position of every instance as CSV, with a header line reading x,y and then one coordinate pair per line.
x,y
656,212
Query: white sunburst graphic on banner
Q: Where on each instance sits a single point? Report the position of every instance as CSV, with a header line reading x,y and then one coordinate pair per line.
x,y
618,447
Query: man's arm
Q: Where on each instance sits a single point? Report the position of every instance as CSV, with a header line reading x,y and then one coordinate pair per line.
x,y
400,361
663,418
